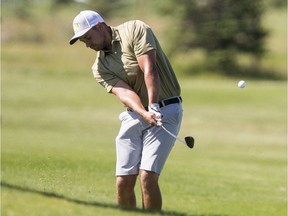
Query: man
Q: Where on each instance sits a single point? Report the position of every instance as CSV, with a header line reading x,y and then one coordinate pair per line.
x,y
131,65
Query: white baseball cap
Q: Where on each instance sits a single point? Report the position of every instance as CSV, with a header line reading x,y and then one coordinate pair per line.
x,y
83,22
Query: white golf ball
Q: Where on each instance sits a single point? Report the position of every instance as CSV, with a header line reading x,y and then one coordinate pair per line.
x,y
242,84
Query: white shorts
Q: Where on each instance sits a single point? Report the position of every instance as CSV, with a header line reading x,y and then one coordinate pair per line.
x,y
142,146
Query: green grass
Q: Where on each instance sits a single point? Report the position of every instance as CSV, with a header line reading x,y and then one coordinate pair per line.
x,y
58,131
59,126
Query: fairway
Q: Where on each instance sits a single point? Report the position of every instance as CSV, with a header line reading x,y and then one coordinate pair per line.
x,y
58,154
59,128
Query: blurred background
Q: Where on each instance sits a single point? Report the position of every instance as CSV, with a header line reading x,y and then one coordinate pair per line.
x,y
234,38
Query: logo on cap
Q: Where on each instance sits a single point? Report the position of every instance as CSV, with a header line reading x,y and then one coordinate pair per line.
x,y
76,26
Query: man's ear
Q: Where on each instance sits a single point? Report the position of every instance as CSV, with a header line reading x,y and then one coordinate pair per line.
x,y
99,26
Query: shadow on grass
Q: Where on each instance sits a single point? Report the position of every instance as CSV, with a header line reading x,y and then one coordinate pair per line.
x,y
96,204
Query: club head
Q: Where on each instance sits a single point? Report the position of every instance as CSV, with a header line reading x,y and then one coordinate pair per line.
x,y
189,141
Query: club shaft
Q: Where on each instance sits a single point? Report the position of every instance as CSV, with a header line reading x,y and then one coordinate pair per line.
x,y
171,134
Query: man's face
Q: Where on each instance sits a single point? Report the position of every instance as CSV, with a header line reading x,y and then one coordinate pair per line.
x,y
94,39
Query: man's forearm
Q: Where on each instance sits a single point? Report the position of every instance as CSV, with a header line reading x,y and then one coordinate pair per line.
x,y
128,97
153,85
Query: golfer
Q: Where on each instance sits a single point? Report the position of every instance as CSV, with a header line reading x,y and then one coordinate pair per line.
x,y
131,65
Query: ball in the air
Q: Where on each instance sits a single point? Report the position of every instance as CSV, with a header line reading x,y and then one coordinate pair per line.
x,y
242,84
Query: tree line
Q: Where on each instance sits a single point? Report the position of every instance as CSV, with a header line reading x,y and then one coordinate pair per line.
x,y
224,29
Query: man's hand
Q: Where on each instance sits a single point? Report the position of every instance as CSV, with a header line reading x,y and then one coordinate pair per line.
x,y
155,109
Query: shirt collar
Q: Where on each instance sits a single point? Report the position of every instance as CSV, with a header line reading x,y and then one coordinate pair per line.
x,y
115,34
115,38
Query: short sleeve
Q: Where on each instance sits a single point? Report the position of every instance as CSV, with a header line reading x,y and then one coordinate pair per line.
x,y
143,38
104,78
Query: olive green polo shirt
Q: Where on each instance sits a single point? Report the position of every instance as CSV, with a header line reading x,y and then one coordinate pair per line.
x,y
130,40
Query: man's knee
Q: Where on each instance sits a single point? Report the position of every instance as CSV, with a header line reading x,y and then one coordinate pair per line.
x,y
149,179
126,183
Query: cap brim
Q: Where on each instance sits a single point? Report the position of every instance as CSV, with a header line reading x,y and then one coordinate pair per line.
x,y
73,40
79,34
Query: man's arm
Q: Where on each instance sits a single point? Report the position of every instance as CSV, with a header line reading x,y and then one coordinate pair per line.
x,y
129,98
147,63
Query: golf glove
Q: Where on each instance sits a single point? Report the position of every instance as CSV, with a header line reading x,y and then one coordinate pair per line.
x,y
155,108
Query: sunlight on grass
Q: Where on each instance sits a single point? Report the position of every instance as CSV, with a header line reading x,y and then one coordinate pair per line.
x,y
59,127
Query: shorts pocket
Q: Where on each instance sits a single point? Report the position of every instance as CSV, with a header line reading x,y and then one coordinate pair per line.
x,y
123,116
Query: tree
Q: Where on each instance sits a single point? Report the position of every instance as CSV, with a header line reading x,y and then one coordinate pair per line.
x,y
223,28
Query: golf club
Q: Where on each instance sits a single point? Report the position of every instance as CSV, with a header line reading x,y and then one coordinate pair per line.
x,y
189,140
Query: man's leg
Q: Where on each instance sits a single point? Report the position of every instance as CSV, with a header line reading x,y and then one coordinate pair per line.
x,y
125,191
151,195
